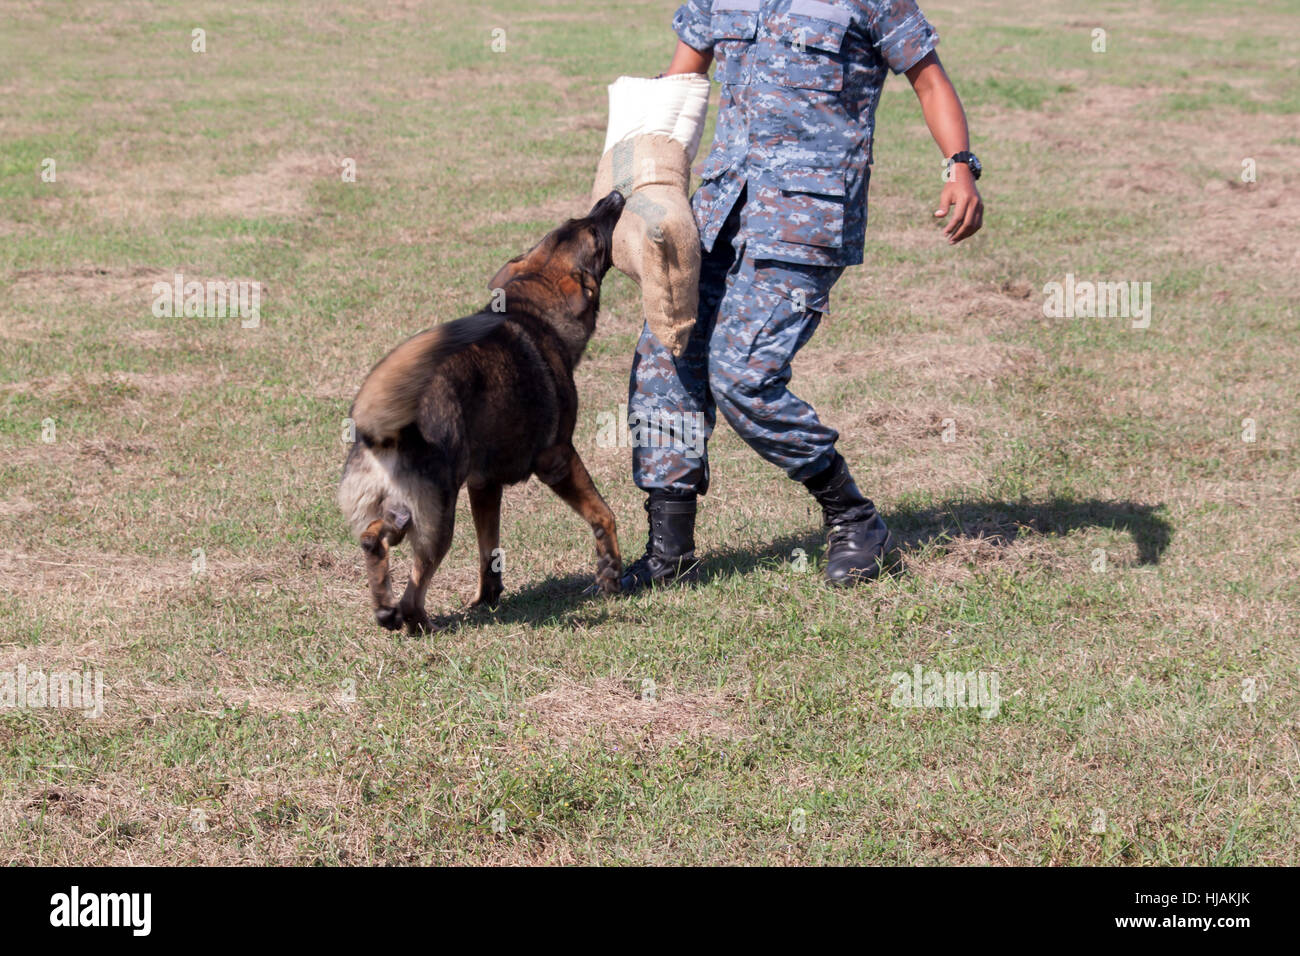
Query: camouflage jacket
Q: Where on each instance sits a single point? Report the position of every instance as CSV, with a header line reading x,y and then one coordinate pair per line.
x,y
800,83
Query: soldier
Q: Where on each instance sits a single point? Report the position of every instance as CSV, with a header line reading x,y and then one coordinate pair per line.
x,y
781,212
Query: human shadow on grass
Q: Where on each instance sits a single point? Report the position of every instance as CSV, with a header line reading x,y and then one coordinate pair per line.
x,y
1002,522
997,522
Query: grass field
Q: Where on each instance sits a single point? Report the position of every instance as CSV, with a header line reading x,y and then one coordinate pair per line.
x,y
1082,515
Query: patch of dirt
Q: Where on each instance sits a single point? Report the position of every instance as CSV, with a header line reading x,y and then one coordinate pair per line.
x,y
175,818
91,458
122,383
126,292
16,507
610,710
151,339
111,580
111,813
68,656
896,424
553,213
912,428
125,700
976,309
1243,223
274,700
143,191
1219,217
897,448
278,190
928,358
117,581
98,284
960,559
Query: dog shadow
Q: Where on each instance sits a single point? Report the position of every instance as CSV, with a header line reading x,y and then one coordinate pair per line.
x,y
998,523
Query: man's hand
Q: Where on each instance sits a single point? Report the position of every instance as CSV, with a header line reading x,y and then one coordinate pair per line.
x,y
947,122
960,195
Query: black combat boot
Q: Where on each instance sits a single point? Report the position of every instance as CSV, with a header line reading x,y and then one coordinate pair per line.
x,y
858,545
670,552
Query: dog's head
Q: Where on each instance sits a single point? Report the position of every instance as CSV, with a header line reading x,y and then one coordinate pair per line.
x,y
573,258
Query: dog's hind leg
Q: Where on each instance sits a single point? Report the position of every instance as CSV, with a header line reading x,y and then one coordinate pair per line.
x,y
429,546
562,469
377,540
485,504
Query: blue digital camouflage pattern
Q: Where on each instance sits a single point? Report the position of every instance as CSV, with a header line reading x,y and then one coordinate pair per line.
x,y
800,82
781,210
754,315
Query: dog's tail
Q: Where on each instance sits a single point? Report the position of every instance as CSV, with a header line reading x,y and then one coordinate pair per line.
x,y
391,393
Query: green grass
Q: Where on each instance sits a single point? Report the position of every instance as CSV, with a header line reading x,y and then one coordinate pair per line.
x,y
254,713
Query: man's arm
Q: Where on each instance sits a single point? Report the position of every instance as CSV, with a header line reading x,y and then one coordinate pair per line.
x,y
947,122
686,59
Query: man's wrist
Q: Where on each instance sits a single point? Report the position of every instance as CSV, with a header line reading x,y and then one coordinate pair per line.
x,y
962,158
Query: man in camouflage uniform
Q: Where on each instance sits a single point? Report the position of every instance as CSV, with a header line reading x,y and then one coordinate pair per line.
x,y
781,212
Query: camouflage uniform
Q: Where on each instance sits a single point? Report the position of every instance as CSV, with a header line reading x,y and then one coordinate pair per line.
x,y
781,210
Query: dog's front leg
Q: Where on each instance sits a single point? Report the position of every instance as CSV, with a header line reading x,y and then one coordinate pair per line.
x,y
562,469
381,535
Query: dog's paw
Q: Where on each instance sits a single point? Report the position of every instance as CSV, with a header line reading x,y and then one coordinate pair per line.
x,y
389,618
417,622
607,575
489,594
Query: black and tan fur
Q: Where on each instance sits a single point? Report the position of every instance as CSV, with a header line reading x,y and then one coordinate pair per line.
x,y
484,401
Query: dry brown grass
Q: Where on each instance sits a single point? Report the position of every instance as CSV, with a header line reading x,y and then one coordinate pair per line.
x,y
612,711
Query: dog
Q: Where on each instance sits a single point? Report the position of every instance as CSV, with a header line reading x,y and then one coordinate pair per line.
x,y
485,401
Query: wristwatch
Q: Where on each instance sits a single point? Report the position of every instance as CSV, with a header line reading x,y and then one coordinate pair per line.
x,y
967,157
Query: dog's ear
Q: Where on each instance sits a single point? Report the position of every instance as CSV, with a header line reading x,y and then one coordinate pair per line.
x,y
506,273
515,266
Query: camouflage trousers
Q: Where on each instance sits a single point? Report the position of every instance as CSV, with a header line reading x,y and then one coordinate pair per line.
x,y
754,315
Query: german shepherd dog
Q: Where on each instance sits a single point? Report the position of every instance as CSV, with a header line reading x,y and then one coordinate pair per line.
x,y
485,401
